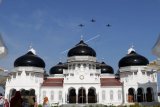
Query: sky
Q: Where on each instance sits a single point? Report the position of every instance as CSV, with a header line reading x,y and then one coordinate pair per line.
x,y
51,27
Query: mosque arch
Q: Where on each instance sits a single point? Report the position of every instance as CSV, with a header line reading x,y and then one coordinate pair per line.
x,y
111,94
81,95
72,95
149,94
140,95
27,92
92,97
32,92
22,91
131,95
12,93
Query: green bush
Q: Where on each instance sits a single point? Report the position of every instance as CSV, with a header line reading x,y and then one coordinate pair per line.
x,y
40,105
90,106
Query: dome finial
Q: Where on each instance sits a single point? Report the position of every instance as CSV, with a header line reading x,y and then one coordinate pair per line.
x,y
60,59
30,46
31,49
131,49
81,37
102,59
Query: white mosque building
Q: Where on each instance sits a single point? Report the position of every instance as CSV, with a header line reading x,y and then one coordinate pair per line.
x,y
83,79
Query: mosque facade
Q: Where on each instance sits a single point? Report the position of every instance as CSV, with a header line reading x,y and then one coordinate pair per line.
x,y
83,80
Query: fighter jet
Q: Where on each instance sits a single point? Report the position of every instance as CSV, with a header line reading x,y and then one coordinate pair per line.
x,y
108,25
81,25
92,20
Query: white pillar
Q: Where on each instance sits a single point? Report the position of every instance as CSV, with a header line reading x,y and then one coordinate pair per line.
x,y
86,95
64,97
38,95
76,96
97,95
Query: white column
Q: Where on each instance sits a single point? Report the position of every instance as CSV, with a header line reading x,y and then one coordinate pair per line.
x,y
64,97
125,95
97,95
86,95
135,96
76,96
144,95
38,95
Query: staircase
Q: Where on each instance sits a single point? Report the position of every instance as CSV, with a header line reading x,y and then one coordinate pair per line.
x,y
149,104
82,105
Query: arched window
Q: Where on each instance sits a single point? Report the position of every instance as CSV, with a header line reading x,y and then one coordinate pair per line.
x,y
149,94
82,95
131,95
119,94
22,92
12,93
79,65
111,95
92,97
140,95
103,95
89,66
69,66
72,95
73,66
93,66
44,94
52,95
32,92
60,95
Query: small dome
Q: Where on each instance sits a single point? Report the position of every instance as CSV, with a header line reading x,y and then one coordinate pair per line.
x,y
29,59
58,69
133,59
81,49
106,68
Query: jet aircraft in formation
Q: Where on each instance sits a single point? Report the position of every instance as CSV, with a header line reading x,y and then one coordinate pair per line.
x,y
108,25
81,25
93,20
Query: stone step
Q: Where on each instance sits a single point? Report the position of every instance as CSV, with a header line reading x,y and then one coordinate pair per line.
x,y
82,105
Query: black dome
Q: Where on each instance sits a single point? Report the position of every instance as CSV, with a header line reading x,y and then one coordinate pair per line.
x,y
81,49
58,69
29,59
133,59
106,68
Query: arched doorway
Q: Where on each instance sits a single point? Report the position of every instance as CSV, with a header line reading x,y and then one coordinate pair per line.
x,y
27,92
131,94
72,95
31,92
12,93
92,96
140,95
81,95
22,91
149,94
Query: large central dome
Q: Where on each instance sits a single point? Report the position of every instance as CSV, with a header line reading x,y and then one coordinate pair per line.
x,y
81,49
